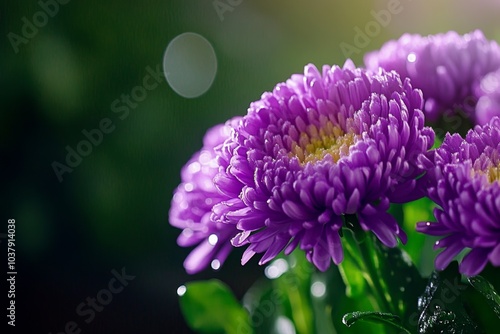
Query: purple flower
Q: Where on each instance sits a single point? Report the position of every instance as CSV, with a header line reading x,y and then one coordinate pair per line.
x,y
446,67
488,92
464,180
317,151
192,204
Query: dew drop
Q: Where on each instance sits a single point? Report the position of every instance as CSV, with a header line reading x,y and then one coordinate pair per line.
x,y
187,232
215,264
195,167
213,239
181,290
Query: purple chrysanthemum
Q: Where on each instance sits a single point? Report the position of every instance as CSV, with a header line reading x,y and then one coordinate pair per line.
x,y
319,149
464,180
488,92
446,67
192,204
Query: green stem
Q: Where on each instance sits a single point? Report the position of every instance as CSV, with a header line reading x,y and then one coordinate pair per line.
x,y
360,265
367,259
368,251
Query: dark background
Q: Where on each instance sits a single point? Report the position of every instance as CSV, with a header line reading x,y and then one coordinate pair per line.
x,y
111,211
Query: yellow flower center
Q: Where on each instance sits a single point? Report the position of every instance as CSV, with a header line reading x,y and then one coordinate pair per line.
x,y
493,173
315,144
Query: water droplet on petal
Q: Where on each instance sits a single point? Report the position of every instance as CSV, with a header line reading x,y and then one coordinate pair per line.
x,y
195,167
412,57
215,264
187,232
205,157
213,239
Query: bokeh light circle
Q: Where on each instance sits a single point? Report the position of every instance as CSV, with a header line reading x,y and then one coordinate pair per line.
x,y
190,64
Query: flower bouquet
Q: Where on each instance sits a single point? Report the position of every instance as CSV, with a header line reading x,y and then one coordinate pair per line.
x,y
362,167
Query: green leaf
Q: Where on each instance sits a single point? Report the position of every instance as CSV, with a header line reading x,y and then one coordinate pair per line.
x,y
210,307
265,304
401,279
487,290
392,280
376,317
441,306
286,297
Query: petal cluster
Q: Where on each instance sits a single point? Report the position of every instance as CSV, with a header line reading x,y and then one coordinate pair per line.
x,y
463,179
446,67
192,205
319,148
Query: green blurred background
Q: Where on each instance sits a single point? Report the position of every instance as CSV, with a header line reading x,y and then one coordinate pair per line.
x,y
111,211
